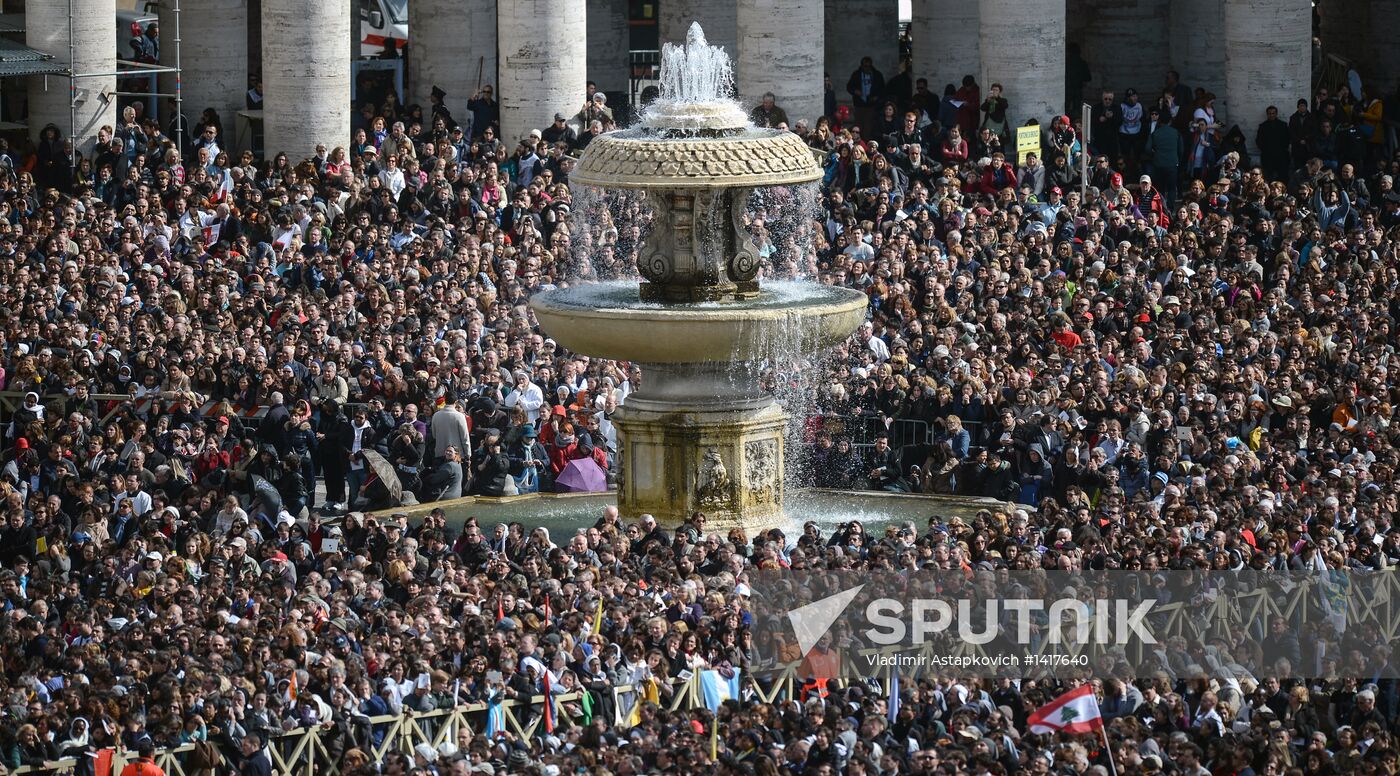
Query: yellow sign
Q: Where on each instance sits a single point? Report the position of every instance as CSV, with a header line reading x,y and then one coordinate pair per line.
x,y
1027,142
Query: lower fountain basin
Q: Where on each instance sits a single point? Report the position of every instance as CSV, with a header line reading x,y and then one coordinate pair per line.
x,y
608,320
563,514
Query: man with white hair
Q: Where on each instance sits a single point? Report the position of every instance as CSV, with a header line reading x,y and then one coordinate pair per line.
x,y
273,429
873,343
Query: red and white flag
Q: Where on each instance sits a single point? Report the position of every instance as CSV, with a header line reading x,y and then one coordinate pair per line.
x,y
1077,711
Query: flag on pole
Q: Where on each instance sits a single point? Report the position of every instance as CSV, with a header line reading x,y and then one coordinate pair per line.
x,y
1077,711
714,739
546,608
585,703
495,715
894,695
102,765
500,609
717,687
598,617
292,688
548,720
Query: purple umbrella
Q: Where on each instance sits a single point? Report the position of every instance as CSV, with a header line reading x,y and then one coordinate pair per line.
x,y
581,475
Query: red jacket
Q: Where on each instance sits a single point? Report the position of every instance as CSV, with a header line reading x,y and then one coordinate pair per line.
x,y
989,181
559,457
1153,202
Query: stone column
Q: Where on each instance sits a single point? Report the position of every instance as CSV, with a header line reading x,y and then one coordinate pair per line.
x,y
544,61
1124,44
1361,32
94,50
1023,49
306,78
452,44
213,59
1197,52
1381,65
946,42
781,51
1268,59
860,28
719,18
1338,24
609,61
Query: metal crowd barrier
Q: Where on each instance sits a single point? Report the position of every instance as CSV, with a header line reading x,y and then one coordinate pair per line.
x,y
862,430
305,751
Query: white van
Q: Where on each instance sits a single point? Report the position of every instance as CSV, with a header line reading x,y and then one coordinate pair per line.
x,y
382,21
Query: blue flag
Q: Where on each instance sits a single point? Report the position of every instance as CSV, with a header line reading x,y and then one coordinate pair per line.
x,y
719,686
894,695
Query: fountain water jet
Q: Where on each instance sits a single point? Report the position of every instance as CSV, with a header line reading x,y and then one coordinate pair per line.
x,y
699,434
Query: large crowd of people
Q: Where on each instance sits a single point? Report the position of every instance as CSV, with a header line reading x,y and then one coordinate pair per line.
x,y
227,361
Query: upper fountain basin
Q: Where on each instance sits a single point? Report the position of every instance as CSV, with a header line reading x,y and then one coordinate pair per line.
x,y
607,320
644,159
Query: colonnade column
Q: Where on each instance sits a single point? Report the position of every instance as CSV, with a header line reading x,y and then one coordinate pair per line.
x,y
856,29
544,63
1338,24
609,41
946,37
452,45
1268,48
781,51
1361,32
94,50
213,59
1381,64
1023,48
306,76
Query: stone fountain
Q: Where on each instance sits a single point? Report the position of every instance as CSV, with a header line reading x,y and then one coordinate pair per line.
x,y
699,434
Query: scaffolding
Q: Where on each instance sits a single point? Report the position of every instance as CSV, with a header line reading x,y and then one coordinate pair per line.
x,y
134,68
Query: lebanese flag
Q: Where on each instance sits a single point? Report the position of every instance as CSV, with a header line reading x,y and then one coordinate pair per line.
x,y
1077,711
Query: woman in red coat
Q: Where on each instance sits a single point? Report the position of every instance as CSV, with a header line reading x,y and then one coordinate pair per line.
x,y
563,448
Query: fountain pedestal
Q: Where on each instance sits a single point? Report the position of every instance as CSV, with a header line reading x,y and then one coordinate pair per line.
x,y
692,442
